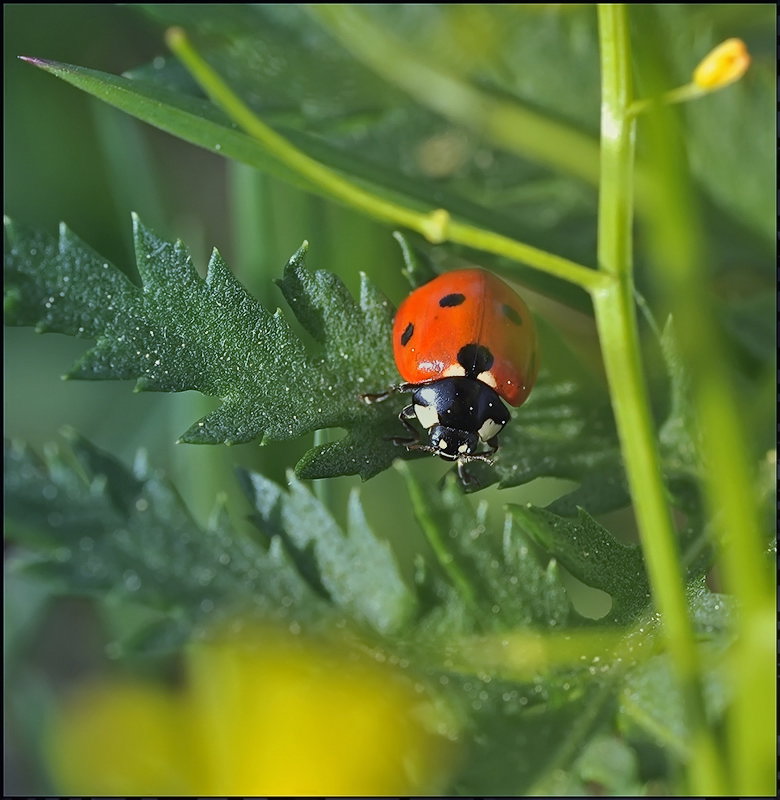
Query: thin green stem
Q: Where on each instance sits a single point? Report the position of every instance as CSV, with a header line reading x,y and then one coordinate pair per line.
x,y
436,535
435,225
322,488
690,91
490,242
617,326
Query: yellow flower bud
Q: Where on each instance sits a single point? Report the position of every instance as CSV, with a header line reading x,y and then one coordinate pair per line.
x,y
727,63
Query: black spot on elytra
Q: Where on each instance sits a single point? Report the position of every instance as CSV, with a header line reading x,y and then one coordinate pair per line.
x,y
475,358
511,314
450,300
407,334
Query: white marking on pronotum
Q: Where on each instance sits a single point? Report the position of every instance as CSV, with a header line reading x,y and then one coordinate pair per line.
x,y
488,377
442,444
427,415
463,448
454,371
489,429
428,394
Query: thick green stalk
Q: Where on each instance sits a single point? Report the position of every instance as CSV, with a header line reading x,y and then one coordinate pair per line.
x,y
680,267
618,333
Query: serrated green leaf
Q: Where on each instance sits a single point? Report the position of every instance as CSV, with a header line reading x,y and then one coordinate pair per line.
x,y
501,582
540,584
148,553
562,431
354,569
179,332
591,554
543,736
122,487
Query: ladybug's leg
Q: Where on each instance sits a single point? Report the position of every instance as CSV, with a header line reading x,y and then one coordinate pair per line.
x,y
465,477
406,414
369,399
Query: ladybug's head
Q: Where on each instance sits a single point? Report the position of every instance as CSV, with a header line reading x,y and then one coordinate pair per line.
x,y
451,443
473,414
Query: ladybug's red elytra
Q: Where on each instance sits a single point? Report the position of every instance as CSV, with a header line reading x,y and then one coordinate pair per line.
x,y
462,343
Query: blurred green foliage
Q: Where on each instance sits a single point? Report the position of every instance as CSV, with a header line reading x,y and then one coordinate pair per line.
x,y
70,157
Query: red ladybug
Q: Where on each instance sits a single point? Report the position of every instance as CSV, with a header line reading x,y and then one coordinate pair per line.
x,y
462,342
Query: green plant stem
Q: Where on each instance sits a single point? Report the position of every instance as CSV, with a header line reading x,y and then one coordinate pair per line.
x,y
435,225
510,125
690,91
490,242
322,488
436,535
617,326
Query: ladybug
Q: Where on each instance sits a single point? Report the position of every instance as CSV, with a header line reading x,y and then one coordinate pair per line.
x,y
462,343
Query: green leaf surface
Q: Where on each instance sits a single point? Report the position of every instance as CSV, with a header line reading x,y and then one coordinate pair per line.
x,y
562,431
143,549
516,720
651,704
86,525
79,522
356,571
607,767
96,528
502,582
192,119
179,332
591,554
289,60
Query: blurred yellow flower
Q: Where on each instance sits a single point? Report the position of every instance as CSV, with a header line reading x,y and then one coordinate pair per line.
x,y
727,63
279,716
